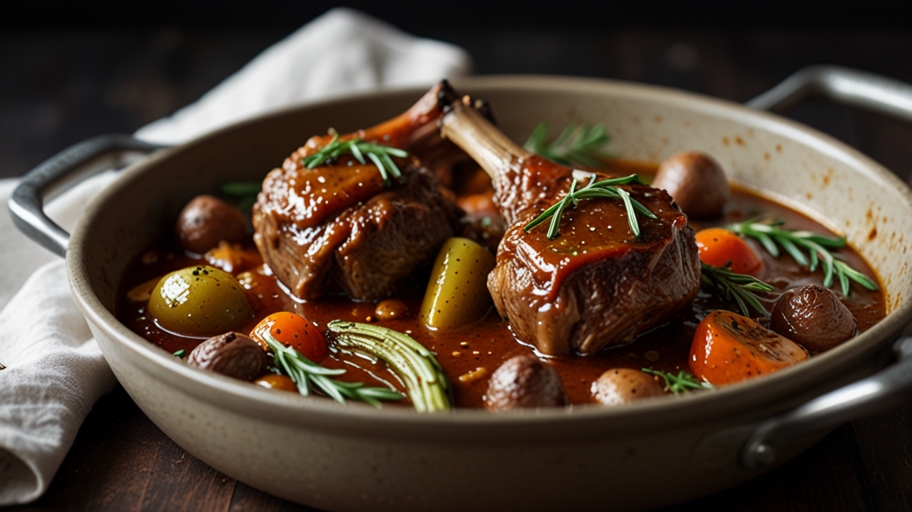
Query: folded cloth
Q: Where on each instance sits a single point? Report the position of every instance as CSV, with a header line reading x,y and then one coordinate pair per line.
x,y
54,369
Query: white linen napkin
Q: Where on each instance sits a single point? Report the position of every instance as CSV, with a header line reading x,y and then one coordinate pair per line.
x,y
54,369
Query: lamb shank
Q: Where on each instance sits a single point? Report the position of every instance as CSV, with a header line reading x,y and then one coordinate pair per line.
x,y
346,227
596,283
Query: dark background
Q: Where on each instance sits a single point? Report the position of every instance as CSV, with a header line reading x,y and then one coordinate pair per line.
x,y
423,17
72,70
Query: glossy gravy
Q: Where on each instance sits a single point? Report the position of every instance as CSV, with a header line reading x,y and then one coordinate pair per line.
x,y
470,355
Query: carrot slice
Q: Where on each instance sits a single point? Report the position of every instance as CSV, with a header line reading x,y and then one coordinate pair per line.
x,y
718,246
292,331
728,347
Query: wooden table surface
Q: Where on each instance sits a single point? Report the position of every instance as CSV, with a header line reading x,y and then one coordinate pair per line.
x,y
60,87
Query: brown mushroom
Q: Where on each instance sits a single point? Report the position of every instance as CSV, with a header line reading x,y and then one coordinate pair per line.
x,y
205,221
524,382
623,385
813,317
696,182
232,354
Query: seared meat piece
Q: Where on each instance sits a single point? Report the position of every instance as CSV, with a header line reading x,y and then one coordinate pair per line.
x,y
338,228
596,284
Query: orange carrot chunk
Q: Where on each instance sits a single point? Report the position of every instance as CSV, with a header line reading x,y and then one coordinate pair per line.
x,y
718,246
293,331
728,347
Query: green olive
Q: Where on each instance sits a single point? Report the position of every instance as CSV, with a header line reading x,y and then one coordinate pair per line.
x,y
457,293
199,301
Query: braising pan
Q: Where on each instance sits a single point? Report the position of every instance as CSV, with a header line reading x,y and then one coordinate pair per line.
x,y
316,452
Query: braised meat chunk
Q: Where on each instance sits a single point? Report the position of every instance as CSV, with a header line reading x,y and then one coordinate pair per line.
x,y
353,228
596,283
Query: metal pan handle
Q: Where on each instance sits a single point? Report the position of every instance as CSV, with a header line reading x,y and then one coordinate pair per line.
x,y
889,388
60,173
892,386
840,85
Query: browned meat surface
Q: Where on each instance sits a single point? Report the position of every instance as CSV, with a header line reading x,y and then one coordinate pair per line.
x,y
337,229
596,284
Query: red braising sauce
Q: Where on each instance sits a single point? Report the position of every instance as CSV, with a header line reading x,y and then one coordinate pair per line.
x,y
470,355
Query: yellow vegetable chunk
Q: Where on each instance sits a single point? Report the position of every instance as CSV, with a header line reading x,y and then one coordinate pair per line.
x,y
199,301
457,294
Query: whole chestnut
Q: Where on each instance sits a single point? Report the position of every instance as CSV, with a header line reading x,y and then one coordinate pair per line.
x,y
232,354
205,221
813,317
524,382
623,385
696,182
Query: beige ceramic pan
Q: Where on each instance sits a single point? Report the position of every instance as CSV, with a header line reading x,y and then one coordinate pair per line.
x,y
325,455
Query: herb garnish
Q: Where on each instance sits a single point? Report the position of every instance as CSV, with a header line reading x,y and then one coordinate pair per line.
x,y
416,366
180,353
379,154
577,144
307,374
242,188
243,193
683,381
740,288
770,235
604,188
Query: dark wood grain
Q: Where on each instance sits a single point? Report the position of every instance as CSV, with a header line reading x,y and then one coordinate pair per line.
x,y
61,87
885,445
248,499
178,481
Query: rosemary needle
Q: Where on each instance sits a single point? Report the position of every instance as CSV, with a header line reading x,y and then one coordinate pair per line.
x,y
732,286
577,144
308,374
606,188
771,236
379,155
241,188
242,193
683,381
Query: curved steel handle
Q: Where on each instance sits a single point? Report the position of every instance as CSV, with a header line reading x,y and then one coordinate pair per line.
x,y
880,392
841,85
60,173
892,386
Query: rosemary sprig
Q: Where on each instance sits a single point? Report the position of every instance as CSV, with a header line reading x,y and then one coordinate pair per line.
x,y
740,288
771,236
683,381
577,144
605,188
242,193
380,155
242,188
308,374
416,366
